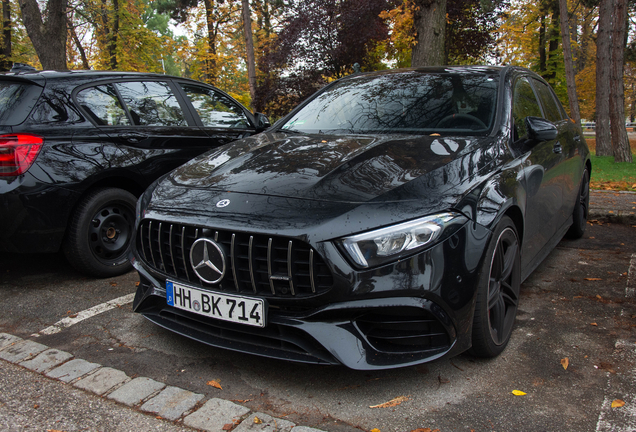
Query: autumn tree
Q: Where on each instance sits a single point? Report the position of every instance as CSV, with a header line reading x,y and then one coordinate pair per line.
x,y
469,31
320,40
47,31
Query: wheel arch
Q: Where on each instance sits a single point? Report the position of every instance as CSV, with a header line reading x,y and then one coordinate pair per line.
x,y
515,213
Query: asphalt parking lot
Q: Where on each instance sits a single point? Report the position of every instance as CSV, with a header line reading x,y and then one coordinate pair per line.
x,y
573,354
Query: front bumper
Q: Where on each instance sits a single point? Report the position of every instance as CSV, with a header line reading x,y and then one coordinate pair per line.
x,y
415,310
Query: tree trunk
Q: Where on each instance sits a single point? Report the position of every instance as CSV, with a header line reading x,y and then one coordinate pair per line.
x,y
542,52
430,25
112,40
603,39
211,57
575,113
5,61
249,48
48,36
553,46
620,142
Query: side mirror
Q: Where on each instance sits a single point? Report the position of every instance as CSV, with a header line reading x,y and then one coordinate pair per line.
x,y
262,122
540,129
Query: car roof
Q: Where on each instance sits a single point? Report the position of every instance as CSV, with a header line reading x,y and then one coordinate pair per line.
x,y
45,75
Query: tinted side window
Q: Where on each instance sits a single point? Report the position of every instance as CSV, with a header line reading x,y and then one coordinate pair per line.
x,y
524,104
552,111
101,104
16,102
215,109
151,103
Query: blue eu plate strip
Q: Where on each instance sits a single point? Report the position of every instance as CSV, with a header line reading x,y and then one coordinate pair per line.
x,y
170,293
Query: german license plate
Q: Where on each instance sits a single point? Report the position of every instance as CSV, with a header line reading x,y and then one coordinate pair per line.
x,y
226,307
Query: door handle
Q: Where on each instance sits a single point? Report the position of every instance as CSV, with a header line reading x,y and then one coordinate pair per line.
x,y
133,137
557,148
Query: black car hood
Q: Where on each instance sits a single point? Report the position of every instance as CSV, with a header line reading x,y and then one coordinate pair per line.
x,y
318,187
346,169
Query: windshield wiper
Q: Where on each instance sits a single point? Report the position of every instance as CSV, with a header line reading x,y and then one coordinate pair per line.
x,y
294,131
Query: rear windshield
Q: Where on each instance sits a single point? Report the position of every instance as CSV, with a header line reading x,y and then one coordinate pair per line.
x,y
16,102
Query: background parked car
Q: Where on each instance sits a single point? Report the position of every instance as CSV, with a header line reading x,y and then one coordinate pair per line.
x,y
387,221
78,147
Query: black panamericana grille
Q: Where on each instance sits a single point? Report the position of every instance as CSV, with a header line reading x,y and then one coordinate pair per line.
x,y
256,264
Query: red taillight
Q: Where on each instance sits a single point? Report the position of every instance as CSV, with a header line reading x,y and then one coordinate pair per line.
x,y
17,153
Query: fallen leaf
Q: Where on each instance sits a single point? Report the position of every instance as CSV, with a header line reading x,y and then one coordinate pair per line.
x,y
375,430
241,400
518,393
36,406
227,426
607,367
257,420
137,283
599,297
113,284
592,279
214,384
618,403
594,324
565,362
393,402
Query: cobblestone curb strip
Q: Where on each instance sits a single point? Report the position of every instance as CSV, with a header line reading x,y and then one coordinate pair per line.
x,y
146,395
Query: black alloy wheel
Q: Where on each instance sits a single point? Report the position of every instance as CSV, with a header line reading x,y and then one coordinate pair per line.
x,y
498,293
100,233
581,209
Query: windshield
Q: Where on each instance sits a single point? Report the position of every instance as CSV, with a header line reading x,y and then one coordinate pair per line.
x,y
410,102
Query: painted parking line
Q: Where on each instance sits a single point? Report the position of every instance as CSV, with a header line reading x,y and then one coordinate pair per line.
x,y
621,419
85,314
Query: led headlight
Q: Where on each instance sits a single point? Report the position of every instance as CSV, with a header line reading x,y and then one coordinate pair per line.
x,y
391,243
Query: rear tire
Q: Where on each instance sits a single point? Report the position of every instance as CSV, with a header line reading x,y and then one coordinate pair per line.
x,y
581,209
99,235
498,292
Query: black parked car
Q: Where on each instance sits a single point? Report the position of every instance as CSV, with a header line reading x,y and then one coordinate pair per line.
x,y
387,221
77,148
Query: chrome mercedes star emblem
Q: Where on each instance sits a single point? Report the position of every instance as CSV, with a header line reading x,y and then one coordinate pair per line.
x,y
207,260
223,203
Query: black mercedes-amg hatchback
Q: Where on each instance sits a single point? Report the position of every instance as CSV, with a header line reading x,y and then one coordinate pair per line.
x,y
388,221
78,147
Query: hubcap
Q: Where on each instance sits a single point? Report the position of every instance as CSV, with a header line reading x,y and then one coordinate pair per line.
x,y
110,231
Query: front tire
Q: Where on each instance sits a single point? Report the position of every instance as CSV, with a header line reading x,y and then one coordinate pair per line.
x,y
498,292
99,235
